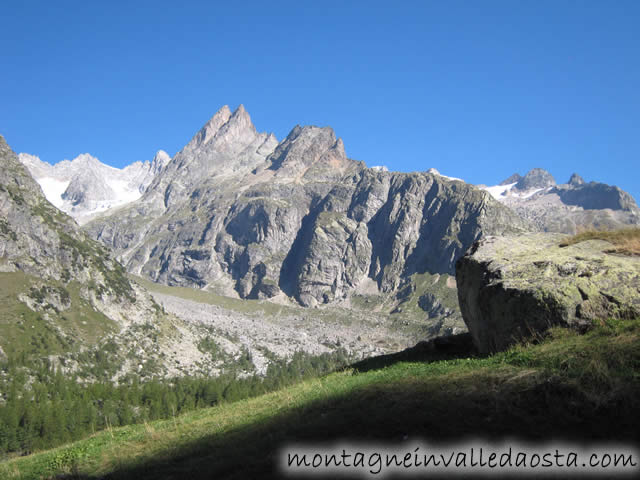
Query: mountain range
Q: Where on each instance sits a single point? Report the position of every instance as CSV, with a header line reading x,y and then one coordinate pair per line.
x,y
85,188
566,208
240,213
294,223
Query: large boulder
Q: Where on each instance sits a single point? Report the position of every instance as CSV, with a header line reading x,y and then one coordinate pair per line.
x,y
513,287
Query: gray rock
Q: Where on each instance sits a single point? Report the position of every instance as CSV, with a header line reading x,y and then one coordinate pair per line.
x,y
575,180
515,178
432,305
535,178
87,187
594,195
513,287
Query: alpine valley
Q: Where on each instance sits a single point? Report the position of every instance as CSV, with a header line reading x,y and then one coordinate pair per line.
x,y
262,261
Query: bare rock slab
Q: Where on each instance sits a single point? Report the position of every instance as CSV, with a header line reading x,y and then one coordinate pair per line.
x,y
512,287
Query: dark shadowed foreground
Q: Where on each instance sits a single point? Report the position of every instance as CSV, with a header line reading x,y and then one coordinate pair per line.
x,y
567,387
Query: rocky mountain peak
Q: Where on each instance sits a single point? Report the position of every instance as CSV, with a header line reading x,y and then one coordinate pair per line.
x,y
86,160
237,132
515,178
87,186
208,131
339,146
160,159
225,133
535,178
576,180
307,146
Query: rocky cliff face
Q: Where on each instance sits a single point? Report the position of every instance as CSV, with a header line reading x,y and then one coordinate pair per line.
x,y
239,212
569,207
514,287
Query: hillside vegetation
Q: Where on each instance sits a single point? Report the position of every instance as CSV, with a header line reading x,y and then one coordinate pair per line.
x,y
625,241
566,387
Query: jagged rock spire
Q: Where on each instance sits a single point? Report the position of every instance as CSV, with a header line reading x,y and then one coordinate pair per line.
x,y
576,180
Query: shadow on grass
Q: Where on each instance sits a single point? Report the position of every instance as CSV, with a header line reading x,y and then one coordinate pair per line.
x,y
478,404
440,348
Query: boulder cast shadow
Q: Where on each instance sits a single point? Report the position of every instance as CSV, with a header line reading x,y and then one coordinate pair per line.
x,y
482,406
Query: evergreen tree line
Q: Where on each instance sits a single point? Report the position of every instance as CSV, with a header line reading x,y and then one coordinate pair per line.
x,y
41,408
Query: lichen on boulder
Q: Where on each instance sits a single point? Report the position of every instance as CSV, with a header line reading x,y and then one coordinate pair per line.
x,y
513,287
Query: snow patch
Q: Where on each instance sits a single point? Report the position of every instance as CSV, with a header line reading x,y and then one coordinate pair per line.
x,y
125,192
529,193
498,191
53,189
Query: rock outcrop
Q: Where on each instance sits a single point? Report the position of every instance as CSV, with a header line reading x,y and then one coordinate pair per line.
x,y
513,287
575,180
535,178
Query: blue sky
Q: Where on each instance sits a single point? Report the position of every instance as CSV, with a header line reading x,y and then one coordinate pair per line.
x,y
476,89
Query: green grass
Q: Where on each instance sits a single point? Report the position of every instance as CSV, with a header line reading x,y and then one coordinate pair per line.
x,y
24,332
625,241
567,387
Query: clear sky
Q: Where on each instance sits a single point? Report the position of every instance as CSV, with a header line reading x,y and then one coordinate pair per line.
x,y
477,89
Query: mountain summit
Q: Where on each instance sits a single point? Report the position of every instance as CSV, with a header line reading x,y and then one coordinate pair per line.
x,y
536,178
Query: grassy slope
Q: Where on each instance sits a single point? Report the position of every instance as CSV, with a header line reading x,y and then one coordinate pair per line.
x,y
23,331
566,387
625,241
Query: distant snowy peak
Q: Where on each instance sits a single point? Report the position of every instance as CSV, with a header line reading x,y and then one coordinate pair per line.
x,y
565,207
519,187
36,167
160,159
84,186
